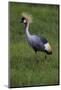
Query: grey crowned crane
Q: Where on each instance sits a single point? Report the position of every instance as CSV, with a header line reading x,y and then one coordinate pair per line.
x,y
36,42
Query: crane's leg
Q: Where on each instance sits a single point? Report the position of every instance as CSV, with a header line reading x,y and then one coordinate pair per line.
x,y
45,56
37,57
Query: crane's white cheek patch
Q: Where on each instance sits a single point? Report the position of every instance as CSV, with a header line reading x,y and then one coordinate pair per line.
x,y
47,47
24,21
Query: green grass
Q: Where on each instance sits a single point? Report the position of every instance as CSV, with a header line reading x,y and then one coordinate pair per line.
x,y
24,69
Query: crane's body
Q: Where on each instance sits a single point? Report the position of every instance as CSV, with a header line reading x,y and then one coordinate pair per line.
x,y
36,42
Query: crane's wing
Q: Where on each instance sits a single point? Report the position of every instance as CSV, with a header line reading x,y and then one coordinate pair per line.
x,y
38,42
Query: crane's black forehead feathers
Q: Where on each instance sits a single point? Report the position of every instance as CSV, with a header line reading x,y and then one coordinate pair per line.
x,y
22,19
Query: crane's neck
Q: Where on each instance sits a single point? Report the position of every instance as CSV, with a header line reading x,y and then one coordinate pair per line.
x,y
26,28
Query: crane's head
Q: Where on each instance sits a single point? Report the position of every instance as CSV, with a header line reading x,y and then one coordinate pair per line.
x,y
26,18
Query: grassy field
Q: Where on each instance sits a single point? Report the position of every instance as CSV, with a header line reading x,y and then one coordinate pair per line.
x,y
24,69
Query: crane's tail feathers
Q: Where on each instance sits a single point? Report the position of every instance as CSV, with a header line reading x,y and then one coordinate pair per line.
x,y
48,48
27,16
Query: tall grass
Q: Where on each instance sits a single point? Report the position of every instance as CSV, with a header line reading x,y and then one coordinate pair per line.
x,y
24,68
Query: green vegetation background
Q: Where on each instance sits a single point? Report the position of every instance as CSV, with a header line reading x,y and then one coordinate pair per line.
x,y
24,69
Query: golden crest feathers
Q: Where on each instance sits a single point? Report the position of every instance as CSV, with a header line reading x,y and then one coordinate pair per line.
x,y
27,16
